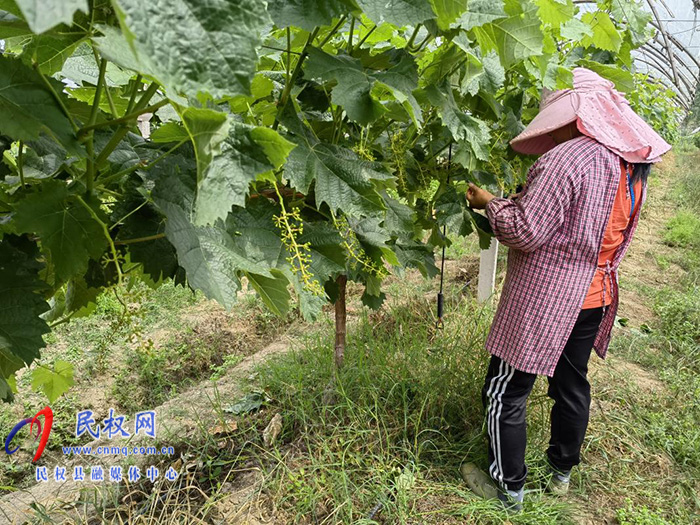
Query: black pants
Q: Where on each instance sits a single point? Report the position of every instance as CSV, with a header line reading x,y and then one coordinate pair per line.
x,y
505,394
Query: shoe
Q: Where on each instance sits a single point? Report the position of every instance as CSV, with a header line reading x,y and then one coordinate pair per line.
x,y
559,482
512,500
478,481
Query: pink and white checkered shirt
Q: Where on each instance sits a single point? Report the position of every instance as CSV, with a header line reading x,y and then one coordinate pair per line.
x,y
555,231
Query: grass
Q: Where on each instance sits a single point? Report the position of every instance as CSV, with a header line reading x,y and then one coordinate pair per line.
x,y
683,230
407,413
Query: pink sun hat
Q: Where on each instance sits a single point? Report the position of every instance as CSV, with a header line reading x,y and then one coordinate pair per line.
x,y
601,112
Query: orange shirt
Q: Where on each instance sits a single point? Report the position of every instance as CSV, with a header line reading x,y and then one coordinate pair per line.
x,y
619,219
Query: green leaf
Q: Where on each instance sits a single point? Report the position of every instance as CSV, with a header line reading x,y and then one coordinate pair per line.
x,y
397,12
480,12
402,79
514,38
246,152
448,11
342,179
623,79
326,259
50,51
12,26
472,73
574,29
248,403
483,229
307,14
80,298
213,49
81,67
413,254
207,128
170,132
494,74
21,303
205,253
451,211
555,12
215,256
53,382
68,232
272,290
28,108
463,127
354,84
399,218
45,14
374,302
605,35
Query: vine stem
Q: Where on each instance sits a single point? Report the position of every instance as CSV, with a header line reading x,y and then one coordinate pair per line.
x,y
123,130
352,30
364,38
125,118
20,163
289,54
142,239
119,174
58,99
132,98
90,145
112,247
284,97
409,44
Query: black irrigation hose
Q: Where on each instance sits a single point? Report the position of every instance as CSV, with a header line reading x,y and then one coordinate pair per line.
x,y
440,297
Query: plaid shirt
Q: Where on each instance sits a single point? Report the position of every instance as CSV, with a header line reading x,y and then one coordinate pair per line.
x,y
555,231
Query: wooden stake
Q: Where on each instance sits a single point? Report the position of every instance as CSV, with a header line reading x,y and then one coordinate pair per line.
x,y
340,322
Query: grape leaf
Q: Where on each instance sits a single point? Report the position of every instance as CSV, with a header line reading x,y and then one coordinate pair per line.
x,y
272,290
50,51
413,254
170,132
494,74
397,12
207,128
53,382
246,152
42,15
464,127
399,217
28,108
213,49
342,179
448,11
514,38
326,259
574,29
12,26
307,14
605,35
451,211
67,231
21,328
354,85
480,12
81,67
555,12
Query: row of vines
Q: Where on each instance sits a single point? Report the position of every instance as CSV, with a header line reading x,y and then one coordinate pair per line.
x,y
293,144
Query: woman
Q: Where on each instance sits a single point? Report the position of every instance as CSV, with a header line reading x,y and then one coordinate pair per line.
x,y
567,232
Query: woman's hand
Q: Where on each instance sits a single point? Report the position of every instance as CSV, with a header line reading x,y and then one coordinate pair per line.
x,y
478,198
